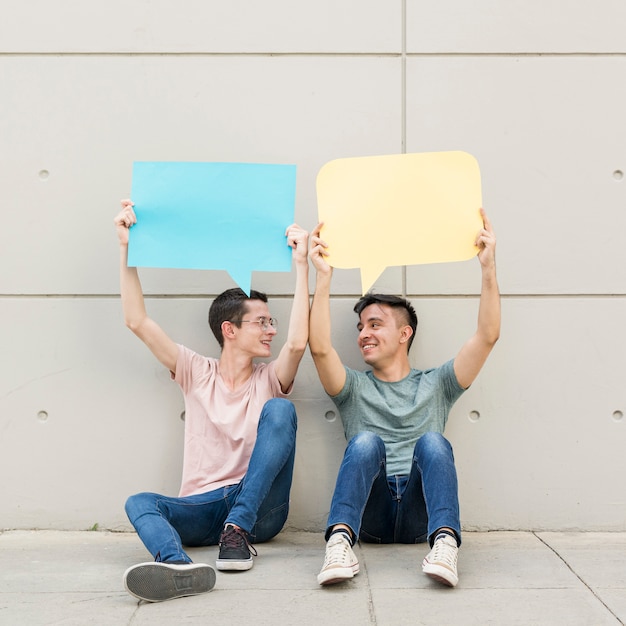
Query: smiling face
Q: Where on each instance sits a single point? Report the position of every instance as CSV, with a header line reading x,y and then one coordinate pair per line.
x,y
383,335
251,336
228,306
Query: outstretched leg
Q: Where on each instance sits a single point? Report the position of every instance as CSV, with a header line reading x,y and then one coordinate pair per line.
x,y
158,520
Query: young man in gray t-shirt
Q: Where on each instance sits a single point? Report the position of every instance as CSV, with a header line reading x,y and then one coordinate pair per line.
x,y
397,481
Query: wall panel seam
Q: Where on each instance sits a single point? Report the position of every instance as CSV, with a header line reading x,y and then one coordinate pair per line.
x,y
400,54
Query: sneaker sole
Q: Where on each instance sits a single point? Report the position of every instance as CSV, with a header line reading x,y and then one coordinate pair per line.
x,y
228,565
156,582
337,575
440,574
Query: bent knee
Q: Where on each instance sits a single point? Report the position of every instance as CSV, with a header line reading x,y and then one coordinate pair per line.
x,y
434,443
138,504
367,442
280,410
280,404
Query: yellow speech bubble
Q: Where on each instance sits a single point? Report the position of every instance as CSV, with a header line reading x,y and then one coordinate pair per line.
x,y
401,209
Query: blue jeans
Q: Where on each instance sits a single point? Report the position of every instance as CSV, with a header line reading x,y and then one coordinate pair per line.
x,y
259,503
396,509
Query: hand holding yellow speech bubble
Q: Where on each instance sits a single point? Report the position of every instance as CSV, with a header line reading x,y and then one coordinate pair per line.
x,y
402,209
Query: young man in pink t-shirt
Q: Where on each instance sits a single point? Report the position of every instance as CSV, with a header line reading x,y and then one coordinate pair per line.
x,y
240,432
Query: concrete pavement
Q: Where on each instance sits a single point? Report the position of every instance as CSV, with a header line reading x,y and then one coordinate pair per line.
x,y
75,578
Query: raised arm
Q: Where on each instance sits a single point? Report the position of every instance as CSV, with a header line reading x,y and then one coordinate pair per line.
x,y
298,334
135,316
475,351
330,369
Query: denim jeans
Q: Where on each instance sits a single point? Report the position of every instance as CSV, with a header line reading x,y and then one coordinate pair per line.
x,y
396,509
259,503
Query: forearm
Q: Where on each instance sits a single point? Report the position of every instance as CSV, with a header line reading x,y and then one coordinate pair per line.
x,y
131,293
489,309
320,322
298,334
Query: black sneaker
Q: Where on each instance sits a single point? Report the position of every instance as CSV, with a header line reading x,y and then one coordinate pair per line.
x,y
234,550
155,582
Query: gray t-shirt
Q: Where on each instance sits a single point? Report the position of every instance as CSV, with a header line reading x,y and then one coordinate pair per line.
x,y
399,412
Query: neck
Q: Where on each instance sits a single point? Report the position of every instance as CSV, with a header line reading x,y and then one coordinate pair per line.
x,y
392,372
235,369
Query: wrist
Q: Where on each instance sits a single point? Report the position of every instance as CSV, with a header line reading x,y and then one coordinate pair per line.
x,y
322,281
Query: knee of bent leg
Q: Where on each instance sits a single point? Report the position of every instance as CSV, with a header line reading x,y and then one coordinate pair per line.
x,y
280,412
139,504
434,444
367,443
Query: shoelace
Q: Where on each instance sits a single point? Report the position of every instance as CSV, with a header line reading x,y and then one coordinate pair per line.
x,y
337,553
443,552
236,538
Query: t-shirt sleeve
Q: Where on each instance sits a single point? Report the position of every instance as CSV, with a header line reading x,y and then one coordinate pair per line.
x,y
269,370
189,366
449,382
348,387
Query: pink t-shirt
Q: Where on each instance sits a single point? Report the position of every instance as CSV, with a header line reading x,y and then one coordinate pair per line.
x,y
220,425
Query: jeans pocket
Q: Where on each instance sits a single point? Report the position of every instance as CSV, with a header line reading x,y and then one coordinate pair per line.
x,y
367,538
270,524
422,538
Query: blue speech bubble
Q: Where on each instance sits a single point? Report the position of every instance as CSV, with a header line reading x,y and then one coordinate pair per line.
x,y
227,216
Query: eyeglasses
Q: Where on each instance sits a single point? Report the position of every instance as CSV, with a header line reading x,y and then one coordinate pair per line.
x,y
264,322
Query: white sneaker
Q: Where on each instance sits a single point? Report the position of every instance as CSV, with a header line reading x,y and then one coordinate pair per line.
x,y
440,562
340,563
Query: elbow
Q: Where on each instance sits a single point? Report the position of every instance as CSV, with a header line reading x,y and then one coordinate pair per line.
x,y
489,331
488,338
298,346
493,337
317,352
133,324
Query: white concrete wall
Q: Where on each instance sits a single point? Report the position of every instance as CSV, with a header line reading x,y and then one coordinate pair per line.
x,y
533,89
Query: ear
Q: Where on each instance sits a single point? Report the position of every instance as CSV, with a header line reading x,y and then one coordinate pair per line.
x,y
228,330
405,334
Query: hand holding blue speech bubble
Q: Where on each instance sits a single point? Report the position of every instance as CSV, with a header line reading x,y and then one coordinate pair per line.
x,y
402,209
230,216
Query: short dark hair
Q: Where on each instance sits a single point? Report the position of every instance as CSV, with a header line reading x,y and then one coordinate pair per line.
x,y
394,302
230,306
